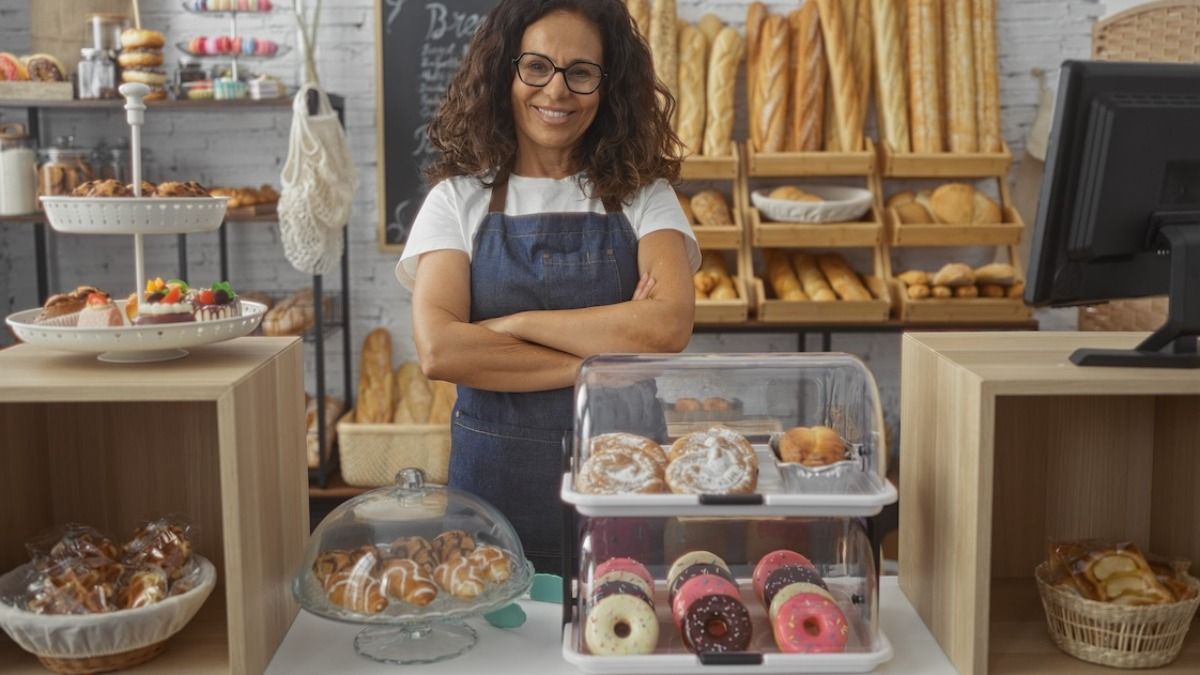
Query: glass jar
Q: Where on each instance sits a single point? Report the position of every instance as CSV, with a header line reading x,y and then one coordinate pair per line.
x,y
97,74
17,170
63,169
105,31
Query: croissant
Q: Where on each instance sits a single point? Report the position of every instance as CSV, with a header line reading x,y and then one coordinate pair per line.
x,y
361,593
492,562
461,578
452,544
406,580
417,549
330,563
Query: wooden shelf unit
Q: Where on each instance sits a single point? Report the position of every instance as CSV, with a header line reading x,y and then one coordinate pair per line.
x,y
768,234
732,241
1009,231
943,164
1008,446
967,310
876,310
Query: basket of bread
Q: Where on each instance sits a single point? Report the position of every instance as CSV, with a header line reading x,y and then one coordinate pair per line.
x,y
1108,604
401,420
88,604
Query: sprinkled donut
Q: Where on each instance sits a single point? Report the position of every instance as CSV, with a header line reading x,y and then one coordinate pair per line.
x,y
625,565
810,624
621,625
703,440
718,469
620,470
717,623
697,587
773,561
792,590
695,571
626,577
605,442
786,576
609,588
694,558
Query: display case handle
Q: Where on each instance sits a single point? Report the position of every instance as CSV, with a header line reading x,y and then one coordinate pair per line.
x,y
731,659
731,500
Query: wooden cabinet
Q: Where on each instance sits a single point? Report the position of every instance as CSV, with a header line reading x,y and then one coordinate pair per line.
x,y
216,437
1007,446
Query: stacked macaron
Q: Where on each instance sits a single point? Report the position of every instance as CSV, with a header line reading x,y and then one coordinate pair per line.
x,y
229,5
141,61
620,616
804,616
706,604
225,45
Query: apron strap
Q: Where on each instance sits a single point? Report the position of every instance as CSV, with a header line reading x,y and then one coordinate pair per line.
x,y
499,194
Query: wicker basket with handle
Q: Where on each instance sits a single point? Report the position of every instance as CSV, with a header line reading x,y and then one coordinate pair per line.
x,y
372,454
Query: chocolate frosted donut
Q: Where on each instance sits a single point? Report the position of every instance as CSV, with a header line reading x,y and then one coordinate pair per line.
x,y
619,588
717,623
695,571
788,575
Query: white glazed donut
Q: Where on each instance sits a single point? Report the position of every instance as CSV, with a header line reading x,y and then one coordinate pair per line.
x,y
693,558
795,589
629,577
620,625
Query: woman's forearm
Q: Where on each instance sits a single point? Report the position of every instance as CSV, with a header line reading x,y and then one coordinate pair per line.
x,y
639,326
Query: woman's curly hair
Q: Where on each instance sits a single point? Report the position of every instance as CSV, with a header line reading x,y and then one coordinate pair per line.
x,y
630,143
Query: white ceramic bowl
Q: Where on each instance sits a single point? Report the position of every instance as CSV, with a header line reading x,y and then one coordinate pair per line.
x,y
841,205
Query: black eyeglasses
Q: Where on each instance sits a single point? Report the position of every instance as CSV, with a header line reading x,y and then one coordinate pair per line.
x,y
536,70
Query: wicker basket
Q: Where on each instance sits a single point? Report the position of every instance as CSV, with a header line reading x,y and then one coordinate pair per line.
x,y
372,454
1115,635
103,664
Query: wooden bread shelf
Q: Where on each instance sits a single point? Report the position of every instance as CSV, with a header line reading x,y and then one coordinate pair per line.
x,y
936,234
725,311
943,164
966,310
722,237
697,167
817,235
797,164
771,309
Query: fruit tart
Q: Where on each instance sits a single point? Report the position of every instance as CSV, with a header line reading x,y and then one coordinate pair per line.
x,y
164,302
217,302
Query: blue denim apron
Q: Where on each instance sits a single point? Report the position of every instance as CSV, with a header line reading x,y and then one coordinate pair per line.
x,y
507,447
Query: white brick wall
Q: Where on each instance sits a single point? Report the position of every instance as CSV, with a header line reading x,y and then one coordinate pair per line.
x,y
249,148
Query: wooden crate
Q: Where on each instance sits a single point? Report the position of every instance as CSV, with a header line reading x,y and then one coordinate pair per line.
x,y
936,234
37,91
797,164
725,311
965,310
943,164
696,167
768,234
722,237
771,309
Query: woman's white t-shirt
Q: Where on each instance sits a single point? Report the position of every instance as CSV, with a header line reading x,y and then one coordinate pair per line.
x,y
455,208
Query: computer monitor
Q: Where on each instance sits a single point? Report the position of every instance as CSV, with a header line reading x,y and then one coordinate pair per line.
x,y
1119,215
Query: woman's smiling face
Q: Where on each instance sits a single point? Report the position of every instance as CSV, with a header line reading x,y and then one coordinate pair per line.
x,y
552,120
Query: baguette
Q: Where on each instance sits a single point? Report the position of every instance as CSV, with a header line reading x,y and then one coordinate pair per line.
x,y
808,83
375,384
891,91
756,15
846,99
860,50
811,280
924,75
711,274
783,278
842,277
692,48
711,25
639,10
960,76
416,395
987,85
445,395
719,97
773,84
664,46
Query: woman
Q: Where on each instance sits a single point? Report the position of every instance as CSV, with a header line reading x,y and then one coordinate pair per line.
x,y
551,234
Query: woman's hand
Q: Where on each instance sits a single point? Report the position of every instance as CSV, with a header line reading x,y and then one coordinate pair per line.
x,y
644,288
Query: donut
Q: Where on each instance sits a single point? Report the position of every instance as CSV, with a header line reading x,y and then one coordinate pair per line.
x,y
810,624
625,565
773,561
137,58
792,590
720,468
11,69
697,587
139,38
152,77
606,442
703,440
695,571
627,577
717,623
609,588
694,557
621,625
618,471
786,576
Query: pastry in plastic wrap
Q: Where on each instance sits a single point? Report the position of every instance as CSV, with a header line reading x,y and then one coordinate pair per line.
x,y
145,587
1109,572
162,543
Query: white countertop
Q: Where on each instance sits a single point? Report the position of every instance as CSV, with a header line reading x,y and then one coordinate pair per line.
x,y
318,646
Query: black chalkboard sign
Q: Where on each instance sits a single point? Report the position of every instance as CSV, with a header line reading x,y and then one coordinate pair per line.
x,y
419,45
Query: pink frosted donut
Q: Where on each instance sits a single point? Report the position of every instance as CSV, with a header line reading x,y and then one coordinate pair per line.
x,y
623,565
697,587
810,624
773,561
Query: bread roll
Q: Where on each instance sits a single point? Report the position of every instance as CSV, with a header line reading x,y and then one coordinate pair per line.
x,y
773,84
725,290
783,278
842,277
711,25
992,291
954,275
1000,274
899,198
700,295
847,100
986,211
807,128
924,75
664,44
793,193
913,213
891,90
710,208
914,278
966,292
811,280
719,96
860,51
704,282
917,292
1017,290
375,383
640,11
953,204
987,85
692,82
941,292
713,275
960,76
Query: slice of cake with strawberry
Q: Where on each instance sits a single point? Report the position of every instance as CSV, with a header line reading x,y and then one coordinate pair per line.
x,y
214,303
164,302
100,312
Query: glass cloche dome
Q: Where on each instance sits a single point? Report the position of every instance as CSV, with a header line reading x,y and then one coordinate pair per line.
x,y
411,561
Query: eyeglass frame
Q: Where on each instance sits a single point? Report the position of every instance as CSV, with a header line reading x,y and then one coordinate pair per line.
x,y
516,64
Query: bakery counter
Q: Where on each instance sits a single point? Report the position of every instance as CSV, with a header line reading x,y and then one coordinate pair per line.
x,y
318,646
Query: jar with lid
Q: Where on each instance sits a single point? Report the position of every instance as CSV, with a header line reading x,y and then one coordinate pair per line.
x,y
105,31
113,160
63,169
17,170
97,74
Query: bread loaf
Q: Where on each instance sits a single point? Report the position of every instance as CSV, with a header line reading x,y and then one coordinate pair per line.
x,y
913,213
692,83
773,84
639,10
811,280
725,289
842,277
711,25
713,275
375,382
294,315
807,128
445,395
333,408
719,97
960,76
986,211
847,101
782,277
1000,274
924,76
987,85
664,45
914,278
415,394
954,275
860,50
756,15
953,203
891,90
710,208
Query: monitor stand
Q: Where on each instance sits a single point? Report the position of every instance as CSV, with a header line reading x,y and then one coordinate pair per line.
x,y
1174,344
